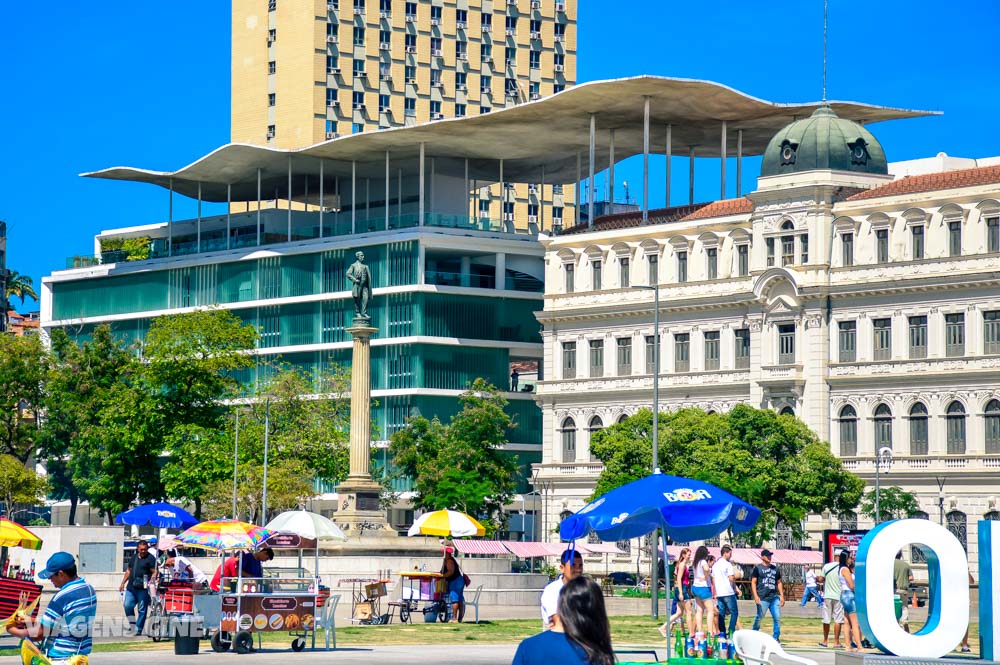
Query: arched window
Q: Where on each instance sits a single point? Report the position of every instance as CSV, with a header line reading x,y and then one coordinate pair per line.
x,y
592,537
883,427
955,419
622,418
992,415
848,432
787,245
957,525
786,411
916,553
848,520
625,546
595,425
568,440
918,429
784,536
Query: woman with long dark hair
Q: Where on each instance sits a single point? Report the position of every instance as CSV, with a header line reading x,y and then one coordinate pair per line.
x,y
704,594
581,634
847,601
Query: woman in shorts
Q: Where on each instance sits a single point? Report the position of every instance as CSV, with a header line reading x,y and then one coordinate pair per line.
x,y
847,601
704,594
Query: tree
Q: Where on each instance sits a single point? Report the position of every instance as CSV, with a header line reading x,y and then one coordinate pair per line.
x,y
23,365
199,457
19,484
894,504
289,486
20,286
461,465
773,462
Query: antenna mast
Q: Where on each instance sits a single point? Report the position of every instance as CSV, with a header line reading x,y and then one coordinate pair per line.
x,y
825,8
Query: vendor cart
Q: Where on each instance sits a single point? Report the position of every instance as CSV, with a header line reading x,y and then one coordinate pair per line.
x,y
418,587
18,592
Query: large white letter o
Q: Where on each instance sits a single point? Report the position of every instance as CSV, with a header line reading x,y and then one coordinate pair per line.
x,y
947,589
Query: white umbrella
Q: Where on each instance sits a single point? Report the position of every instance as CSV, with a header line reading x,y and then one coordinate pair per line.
x,y
446,523
306,525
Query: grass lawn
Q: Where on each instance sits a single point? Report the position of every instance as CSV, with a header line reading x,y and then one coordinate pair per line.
x,y
796,633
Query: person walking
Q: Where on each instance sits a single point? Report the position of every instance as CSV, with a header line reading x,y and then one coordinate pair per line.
x,y
701,587
66,628
580,632
902,578
812,590
724,578
455,580
768,592
139,574
833,611
681,592
847,600
570,567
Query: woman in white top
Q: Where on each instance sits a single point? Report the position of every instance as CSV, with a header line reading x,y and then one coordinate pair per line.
x,y
704,593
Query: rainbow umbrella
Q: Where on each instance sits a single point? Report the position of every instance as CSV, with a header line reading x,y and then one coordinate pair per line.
x,y
224,535
13,534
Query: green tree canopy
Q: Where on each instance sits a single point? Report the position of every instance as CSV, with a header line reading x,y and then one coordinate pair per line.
x,y
23,366
20,286
289,486
461,465
773,462
19,484
894,504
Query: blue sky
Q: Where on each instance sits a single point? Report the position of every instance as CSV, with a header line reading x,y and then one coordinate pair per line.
x,y
147,84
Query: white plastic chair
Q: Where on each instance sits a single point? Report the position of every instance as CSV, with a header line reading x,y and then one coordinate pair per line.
x,y
757,648
475,601
328,621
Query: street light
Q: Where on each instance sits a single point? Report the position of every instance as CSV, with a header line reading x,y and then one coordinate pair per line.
x,y
884,456
654,574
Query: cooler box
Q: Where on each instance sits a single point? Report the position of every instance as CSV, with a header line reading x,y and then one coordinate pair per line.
x,y
178,601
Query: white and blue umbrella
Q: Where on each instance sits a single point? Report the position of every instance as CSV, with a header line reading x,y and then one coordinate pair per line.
x,y
159,515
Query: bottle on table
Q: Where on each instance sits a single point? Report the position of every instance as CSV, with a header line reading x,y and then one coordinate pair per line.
x,y
679,643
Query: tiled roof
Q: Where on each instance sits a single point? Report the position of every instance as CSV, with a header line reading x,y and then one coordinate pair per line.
x,y
625,220
739,206
524,366
983,175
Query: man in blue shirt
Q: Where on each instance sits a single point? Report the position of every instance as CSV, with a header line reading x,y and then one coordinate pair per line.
x,y
68,622
251,562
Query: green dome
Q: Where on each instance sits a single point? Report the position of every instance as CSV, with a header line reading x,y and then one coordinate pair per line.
x,y
823,141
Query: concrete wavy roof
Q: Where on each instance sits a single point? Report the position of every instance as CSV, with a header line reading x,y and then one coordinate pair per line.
x,y
545,134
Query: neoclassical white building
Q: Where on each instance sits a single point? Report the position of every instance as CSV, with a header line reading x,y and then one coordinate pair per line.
x,y
865,303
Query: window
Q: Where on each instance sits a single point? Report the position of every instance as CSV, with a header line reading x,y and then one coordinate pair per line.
x,y
359,4
331,66
484,211
436,11
435,108
331,96
957,523
770,252
559,59
570,276
623,272
993,234
804,248
918,429
569,360
595,270
954,238
485,83
882,245
535,25
569,440
596,358
461,16
712,254
459,110
270,131
534,89
410,106
486,19
383,103
882,339
712,350
272,35
560,29
651,354
848,342
272,67
511,22
461,78
787,250
557,214
594,426
357,128
847,249
385,5
682,352
485,51
786,344
954,335
743,260
955,420
410,41
359,36
848,520
271,99
992,416
918,337
558,87
848,432
917,240
510,87
883,427
654,269
682,266
359,68
534,59
742,348
991,332
508,211
410,73
411,9
435,46
624,345
384,37
359,100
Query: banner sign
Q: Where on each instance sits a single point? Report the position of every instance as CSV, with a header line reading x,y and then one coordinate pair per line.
x,y
835,540
268,613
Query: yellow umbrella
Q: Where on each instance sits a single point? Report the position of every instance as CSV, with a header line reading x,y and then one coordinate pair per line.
x,y
13,534
446,523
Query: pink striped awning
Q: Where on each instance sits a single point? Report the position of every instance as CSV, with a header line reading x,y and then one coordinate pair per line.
x,y
802,557
600,548
480,547
526,550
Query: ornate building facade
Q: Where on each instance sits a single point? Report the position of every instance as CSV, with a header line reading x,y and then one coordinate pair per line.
x,y
866,304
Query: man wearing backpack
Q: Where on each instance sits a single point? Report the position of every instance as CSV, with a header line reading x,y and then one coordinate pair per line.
x,y
832,609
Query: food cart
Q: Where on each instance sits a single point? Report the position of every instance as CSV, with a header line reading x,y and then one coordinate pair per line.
x,y
18,592
418,587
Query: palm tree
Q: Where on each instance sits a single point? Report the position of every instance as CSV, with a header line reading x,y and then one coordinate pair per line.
x,y
20,286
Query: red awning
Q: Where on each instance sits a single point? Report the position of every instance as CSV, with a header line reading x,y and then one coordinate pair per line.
x,y
526,550
480,547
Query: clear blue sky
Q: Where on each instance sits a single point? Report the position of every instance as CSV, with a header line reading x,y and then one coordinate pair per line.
x,y
147,84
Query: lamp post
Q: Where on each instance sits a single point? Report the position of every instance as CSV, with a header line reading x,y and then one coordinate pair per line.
x,y
267,435
940,483
655,555
884,456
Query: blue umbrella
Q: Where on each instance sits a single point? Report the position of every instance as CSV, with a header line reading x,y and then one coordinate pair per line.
x,y
685,509
159,515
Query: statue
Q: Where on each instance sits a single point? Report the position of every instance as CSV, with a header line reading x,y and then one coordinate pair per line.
x,y
361,277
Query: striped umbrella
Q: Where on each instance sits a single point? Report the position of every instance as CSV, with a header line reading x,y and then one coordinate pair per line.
x,y
224,535
446,523
13,534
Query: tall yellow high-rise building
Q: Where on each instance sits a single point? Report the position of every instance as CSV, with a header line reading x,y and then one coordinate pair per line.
x,y
304,71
